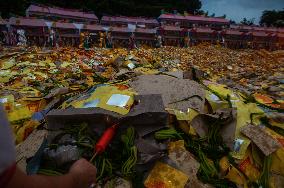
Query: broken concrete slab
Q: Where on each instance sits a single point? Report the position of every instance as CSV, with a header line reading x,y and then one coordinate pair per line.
x,y
176,74
226,117
149,150
179,94
56,92
146,116
266,143
185,161
228,131
28,148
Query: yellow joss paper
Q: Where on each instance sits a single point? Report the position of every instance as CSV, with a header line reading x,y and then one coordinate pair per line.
x,y
248,167
189,115
277,164
276,119
215,102
243,115
41,64
25,130
237,177
7,75
110,98
30,92
275,135
176,145
218,103
34,104
65,64
7,101
8,64
146,71
232,173
184,118
19,113
243,118
264,99
165,176
41,75
223,91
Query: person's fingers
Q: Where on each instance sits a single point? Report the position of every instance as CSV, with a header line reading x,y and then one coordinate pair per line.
x,y
82,166
84,172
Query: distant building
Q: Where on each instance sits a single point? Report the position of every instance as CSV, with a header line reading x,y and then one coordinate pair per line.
x,y
246,28
173,29
55,13
191,21
171,35
124,21
37,30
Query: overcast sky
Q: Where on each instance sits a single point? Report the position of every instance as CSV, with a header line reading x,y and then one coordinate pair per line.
x,y
238,9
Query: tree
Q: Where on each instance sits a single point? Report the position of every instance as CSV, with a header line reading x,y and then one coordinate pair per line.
x,y
272,18
212,15
200,12
232,22
206,13
247,22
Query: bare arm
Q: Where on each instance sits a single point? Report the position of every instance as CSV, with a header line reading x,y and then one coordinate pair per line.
x,y
20,179
81,175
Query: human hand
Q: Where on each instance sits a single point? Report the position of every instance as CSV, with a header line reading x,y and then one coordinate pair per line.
x,y
84,173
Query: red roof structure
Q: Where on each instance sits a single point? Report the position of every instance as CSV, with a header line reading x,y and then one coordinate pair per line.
x,y
259,34
280,35
63,25
27,22
246,27
194,18
203,30
72,13
144,30
120,29
233,32
281,30
257,28
93,27
233,26
170,28
124,19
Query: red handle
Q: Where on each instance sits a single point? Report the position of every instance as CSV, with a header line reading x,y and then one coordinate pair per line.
x,y
105,139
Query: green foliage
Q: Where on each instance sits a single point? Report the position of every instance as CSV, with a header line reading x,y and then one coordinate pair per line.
x,y
247,21
213,148
272,18
119,157
167,134
265,175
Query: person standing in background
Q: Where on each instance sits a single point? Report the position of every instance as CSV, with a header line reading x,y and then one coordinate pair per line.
x,y
109,40
132,42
